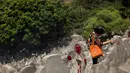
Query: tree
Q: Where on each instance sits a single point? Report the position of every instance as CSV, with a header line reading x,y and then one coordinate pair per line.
x,y
89,4
110,19
33,21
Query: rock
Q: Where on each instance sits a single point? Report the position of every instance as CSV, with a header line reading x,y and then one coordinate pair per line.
x,y
127,45
95,68
54,51
73,66
28,69
112,70
37,60
126,33
9,69
40,69
125,68
116,56
83,45
102,67
89,62
2,70
121,71
76,37
120,49
54,64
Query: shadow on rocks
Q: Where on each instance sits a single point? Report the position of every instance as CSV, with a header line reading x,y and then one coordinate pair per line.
x,y
28,51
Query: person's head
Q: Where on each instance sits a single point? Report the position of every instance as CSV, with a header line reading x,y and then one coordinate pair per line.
x,y
99,30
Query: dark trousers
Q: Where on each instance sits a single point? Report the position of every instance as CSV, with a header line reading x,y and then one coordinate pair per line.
x,y
95,60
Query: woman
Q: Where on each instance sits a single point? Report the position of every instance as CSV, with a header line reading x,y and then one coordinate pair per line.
x,y
98,31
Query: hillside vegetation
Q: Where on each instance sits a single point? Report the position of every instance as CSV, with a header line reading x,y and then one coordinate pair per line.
x,y
35,22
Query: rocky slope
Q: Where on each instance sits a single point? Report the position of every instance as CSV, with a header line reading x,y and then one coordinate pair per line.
x,y
56,61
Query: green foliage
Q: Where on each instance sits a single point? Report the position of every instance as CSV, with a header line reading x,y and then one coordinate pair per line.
x,y
33,21
37,21
110,19
78,15
125,12
88,4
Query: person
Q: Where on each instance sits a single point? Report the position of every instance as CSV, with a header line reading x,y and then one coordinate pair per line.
x,y
98,32
128,34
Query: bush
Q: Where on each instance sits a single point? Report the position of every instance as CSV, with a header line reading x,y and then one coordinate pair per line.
x,y
88,4
33,21
110,19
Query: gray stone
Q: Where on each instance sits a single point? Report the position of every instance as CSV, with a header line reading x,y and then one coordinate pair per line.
x,y
40,69
71,53
125,68
8,69
128,62
76,38
116,56
126,33
108,53
28,69
101,67
73,66
120,71
105,66
54,64
91,71
83,45
38,60
121,55
127,45
89,62
111,57
3,70
112,70
112,63
96,68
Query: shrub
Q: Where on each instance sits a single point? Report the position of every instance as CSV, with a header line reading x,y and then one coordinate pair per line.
x,y
33,21
110,19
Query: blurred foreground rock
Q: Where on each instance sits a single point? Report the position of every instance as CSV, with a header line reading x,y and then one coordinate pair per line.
x,y
116,59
